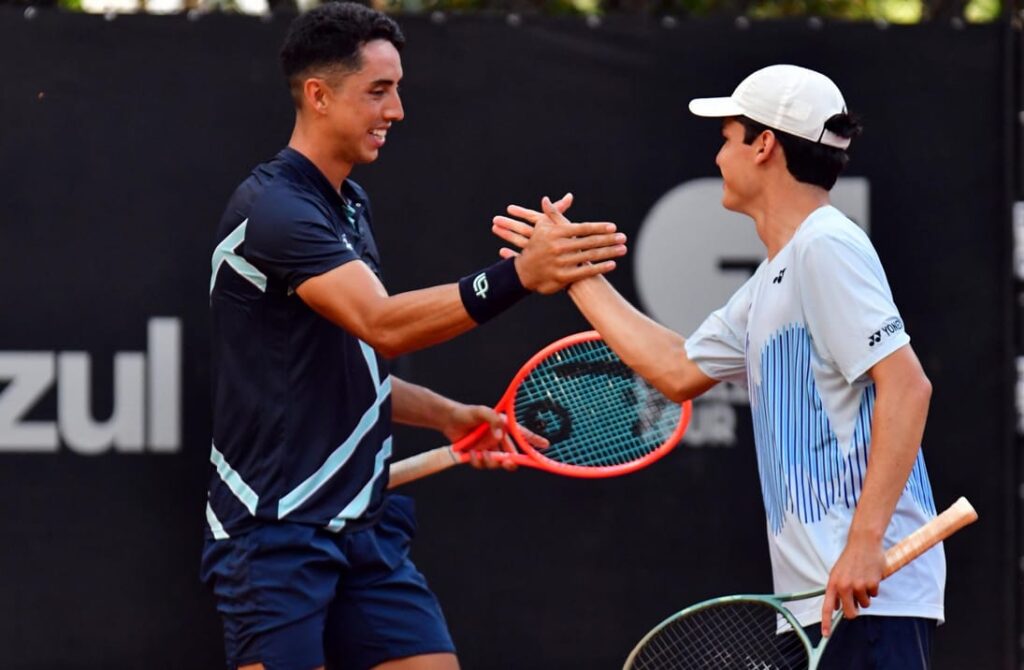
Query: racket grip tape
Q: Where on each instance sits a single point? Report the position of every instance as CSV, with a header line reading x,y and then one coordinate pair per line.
x,y
959,514
422,464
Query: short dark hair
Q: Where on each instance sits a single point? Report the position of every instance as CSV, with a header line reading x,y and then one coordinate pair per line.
x,y
810,162
330,37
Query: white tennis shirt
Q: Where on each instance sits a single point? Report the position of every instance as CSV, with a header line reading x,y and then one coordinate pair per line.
x,y
801,335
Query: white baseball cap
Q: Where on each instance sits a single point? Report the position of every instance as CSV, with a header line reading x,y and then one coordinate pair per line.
x,y
789,98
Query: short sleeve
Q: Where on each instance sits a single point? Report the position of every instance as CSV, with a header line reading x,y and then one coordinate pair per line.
x,y
718,346
292,239
848,306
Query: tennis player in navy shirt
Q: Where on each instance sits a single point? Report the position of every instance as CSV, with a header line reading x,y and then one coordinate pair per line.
x,y
306,553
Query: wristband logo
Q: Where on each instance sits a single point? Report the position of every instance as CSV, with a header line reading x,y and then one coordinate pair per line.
x,y
480,285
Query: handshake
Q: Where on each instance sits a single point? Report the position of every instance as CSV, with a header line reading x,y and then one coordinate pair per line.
x,y
553,252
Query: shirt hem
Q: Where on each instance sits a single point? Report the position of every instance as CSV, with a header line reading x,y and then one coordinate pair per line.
x,y
363,522
812,615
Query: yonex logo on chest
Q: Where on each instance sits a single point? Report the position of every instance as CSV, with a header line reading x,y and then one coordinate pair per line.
x,y
778,278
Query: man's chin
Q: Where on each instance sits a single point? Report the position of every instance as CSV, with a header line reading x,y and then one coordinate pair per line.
x,y
369,157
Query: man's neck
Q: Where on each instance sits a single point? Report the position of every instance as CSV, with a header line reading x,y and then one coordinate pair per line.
x,y
334,170
783,210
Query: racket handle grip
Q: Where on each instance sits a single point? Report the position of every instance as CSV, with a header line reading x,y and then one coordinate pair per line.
x,y
422,464
959,514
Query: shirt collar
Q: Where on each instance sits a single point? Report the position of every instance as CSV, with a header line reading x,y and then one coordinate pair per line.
x,y
317,178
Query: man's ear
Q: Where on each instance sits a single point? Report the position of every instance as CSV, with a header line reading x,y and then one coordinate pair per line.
x,y
766,145
314,91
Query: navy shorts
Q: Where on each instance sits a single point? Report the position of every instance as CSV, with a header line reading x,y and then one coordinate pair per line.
x,y
877,643
296,597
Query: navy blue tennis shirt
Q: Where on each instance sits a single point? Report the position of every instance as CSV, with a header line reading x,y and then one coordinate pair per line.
x,y
301,408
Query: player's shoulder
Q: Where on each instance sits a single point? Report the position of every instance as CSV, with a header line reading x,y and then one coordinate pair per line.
x,y
828,229
264,180
284,197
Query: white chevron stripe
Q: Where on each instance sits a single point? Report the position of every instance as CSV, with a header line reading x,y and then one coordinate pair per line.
x,y
225,253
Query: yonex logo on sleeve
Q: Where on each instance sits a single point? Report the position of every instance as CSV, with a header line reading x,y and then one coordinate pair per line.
x,y
480,285
893,326
890,328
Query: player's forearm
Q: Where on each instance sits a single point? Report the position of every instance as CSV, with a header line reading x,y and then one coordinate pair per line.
x,y
898,420
414,405
656,353
353,298
413,320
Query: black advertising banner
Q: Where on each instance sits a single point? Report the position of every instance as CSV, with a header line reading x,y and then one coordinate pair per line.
x,y
121,141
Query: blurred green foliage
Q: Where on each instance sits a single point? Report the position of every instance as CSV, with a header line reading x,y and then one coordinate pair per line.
x,y
893,11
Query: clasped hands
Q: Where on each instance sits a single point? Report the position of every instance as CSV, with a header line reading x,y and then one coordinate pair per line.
x,y
554,252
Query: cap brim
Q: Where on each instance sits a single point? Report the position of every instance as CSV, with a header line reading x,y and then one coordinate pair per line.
x,y
715,107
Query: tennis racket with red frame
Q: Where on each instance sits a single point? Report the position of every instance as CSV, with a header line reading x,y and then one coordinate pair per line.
x,y
600,418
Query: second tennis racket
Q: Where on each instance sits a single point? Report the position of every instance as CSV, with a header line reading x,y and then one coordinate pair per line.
x,y
600,418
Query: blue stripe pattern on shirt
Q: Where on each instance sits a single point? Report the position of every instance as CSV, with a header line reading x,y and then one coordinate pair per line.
x,y
300,494
803,469
216,528
358,505
245,494
920,486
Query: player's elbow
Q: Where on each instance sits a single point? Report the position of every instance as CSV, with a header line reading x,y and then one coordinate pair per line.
x,y
923,389
686,382
675,395
390,353
914,393
679,393
926,385
386,343
380,330
391,340
678,388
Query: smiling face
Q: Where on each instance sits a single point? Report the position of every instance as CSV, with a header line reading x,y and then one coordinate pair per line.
x,y
358,108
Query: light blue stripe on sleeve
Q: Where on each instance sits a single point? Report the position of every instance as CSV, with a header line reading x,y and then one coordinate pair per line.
x,y
338,457
358,505
215,526
225,253
234,481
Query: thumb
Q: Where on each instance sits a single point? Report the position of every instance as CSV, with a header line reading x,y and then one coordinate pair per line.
x,y
505,252
552,212
565,203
